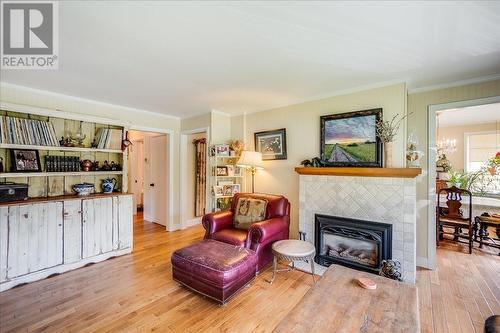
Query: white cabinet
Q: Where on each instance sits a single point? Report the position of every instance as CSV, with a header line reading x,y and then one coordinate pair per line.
x,y
40,239
72,214
125,221
97,229
4,240
35,238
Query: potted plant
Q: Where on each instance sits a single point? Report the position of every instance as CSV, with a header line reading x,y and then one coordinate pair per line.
x,y
387,131
493,164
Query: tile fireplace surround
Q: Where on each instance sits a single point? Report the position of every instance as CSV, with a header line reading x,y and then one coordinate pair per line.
x,y
386,198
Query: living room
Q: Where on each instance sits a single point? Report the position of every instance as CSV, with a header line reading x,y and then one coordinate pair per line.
x,y
312,175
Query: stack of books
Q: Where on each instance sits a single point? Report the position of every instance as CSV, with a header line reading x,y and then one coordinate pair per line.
x,y
62,163
108,138
22,131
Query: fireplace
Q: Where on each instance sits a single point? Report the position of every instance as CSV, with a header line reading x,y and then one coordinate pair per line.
x,y
354,243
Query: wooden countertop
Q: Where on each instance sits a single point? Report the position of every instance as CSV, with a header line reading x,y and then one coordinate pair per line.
x,y
360,172
337,304
62,198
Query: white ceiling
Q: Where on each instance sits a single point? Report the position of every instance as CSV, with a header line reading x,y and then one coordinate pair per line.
x,y
186,58
480,114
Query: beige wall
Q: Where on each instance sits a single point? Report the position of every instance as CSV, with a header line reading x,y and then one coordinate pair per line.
x,y
220,131
302,123
197,122
457,158
32,97
418,104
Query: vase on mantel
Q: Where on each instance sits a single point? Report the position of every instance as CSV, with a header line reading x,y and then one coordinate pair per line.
x,y
387,154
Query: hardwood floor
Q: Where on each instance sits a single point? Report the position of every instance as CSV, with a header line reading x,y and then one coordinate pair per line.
x,y
135,293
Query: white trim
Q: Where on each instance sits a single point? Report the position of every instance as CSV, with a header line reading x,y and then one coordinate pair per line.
x,y
423,262
220,112
39,275
170,226
476,80
191,222
58,113
83,100
431,172
183,174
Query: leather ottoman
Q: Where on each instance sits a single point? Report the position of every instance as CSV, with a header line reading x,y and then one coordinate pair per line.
x,y
215,269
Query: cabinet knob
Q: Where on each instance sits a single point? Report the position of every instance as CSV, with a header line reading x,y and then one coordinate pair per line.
x,y
25,215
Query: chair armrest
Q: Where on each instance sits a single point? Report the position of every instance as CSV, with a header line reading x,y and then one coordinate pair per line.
x,y
261,232
217,221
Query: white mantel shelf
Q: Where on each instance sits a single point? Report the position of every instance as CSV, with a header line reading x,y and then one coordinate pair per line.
x,y
360,172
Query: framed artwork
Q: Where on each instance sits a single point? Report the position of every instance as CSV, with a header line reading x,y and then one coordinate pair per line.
x,y
350,139
222,150
272,144
222,171
238,171
24,160
218,190
230,170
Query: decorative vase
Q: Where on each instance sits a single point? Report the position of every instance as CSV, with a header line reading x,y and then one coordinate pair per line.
x,y
108,185
387,154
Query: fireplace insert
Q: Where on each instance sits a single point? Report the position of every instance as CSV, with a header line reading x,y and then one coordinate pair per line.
x,y
354,243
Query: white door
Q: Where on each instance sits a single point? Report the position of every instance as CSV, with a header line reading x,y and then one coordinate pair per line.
x,y
97,228
155,199
137,172
72,230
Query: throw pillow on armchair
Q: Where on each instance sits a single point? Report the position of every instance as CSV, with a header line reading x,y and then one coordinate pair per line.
x,y
249,211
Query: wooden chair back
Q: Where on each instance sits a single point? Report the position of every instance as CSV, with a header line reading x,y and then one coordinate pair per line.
x,y
454,203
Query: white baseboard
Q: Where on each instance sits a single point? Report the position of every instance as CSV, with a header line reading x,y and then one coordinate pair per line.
x,y
191,222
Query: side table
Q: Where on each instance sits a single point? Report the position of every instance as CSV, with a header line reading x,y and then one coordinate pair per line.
x,y
293,250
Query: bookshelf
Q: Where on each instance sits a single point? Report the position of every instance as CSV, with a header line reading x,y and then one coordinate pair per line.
x,y
89,129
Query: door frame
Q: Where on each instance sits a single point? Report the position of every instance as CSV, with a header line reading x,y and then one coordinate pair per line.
x,y
432,111
170,186
183,172
135,142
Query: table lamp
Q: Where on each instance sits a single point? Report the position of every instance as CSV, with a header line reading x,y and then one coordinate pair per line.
x,y
251,160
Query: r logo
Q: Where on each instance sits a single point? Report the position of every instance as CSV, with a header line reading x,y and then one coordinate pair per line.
x,y
28,28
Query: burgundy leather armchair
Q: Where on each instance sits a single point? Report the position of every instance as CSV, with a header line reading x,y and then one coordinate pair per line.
x,y
261,235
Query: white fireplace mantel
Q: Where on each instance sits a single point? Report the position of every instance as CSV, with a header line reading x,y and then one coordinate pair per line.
x,y
382,197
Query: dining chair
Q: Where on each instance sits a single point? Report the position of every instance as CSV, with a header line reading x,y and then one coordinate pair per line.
x,y
452,216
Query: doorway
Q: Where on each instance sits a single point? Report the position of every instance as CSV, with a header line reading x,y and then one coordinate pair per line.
x,y
450,131
149,175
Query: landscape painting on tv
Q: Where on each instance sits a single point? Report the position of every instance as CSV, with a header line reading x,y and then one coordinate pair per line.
x,y
350,139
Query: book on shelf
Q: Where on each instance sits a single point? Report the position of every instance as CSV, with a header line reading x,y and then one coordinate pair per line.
x,y
21,131
108,138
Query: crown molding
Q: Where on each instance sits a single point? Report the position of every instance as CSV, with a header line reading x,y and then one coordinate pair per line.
x,y
459,83
222,113
83,100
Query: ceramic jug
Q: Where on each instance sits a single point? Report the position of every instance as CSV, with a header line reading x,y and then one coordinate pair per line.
x,y
108,185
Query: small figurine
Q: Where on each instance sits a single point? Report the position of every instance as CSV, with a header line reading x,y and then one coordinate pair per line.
x,y
96,166
306,163
106,166
391,269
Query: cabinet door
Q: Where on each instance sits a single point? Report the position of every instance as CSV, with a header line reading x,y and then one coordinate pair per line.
x,y
35,238
72,231
4,240
97,226
125,221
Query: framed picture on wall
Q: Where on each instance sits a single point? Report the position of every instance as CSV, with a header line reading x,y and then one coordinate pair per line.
x,y
350,139
24,160
272,144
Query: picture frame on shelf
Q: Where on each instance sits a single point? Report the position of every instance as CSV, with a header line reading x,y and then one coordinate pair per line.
x,y
230,170
221,171
218,190
230,190
238,171
222,150
272,144
25,160
350,139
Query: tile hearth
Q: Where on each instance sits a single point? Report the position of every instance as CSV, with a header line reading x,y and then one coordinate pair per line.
x,y
379,199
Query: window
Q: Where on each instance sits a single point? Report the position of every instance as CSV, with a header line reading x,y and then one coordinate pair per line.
x,y
479,147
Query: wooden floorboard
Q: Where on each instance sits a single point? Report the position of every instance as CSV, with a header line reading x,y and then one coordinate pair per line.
x,y
135,293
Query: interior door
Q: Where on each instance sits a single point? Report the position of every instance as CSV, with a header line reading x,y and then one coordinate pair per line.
x,y
137,172
156,202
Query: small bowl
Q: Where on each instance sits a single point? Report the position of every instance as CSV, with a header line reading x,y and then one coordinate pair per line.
x,y
83,189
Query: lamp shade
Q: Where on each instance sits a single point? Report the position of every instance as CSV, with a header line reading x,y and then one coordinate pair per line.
x,y
250,159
